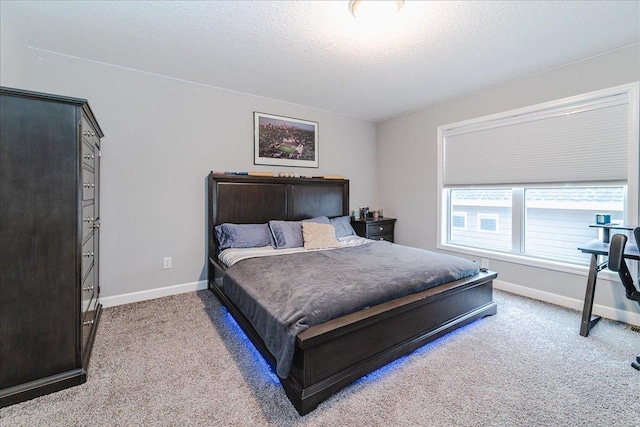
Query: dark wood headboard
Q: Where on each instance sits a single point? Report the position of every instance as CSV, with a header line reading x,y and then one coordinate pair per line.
x,y
242,199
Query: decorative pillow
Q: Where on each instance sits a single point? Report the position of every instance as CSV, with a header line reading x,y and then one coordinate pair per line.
x,y
288,234
343,227
319,236
242,235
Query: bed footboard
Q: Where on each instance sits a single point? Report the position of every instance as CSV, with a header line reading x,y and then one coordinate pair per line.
x,y
332,355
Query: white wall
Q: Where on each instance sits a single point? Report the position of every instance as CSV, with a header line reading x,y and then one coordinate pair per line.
x,y
162,137
12,56
407,169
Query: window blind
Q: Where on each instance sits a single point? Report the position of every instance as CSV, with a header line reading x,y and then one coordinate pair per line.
x,y
563,141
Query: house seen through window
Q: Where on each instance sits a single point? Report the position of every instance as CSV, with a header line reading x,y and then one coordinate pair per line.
x,y
554,223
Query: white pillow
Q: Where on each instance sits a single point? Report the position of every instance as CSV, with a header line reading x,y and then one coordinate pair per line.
x,y
319,236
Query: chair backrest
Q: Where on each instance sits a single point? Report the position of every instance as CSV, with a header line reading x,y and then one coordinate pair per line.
x,y
617,264
636,235
616,251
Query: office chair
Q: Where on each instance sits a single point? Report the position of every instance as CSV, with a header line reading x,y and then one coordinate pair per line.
x,y
617,264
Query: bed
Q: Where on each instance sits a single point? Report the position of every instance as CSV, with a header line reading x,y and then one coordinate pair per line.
x,y
327,356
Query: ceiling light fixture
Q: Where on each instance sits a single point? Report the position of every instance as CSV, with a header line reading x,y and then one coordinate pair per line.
x,y
374,9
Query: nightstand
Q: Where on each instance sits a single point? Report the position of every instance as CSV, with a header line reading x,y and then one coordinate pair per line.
x,y
374,228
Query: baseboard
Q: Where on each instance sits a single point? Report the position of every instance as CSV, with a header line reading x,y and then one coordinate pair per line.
x,y
576,304
152,294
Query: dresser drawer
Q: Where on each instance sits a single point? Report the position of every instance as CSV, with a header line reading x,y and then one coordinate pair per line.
x,y
386,237
89,322
375,229
88,154
88,184
87,256
88,133
88,290
88,219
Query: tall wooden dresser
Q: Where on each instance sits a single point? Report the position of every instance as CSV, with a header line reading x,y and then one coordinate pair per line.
x,y
49,239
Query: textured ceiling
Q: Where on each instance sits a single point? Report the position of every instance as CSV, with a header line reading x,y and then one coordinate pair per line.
x,y
315,53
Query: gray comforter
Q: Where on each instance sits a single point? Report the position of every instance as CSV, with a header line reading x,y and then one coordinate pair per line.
x,y
283,295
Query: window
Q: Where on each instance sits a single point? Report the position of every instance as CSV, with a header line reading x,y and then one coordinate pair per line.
x,y
539,175
488,222
557,219
459,220
555,222
483,208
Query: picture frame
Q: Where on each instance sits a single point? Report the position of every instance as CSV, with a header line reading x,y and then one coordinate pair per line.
x,y
285,141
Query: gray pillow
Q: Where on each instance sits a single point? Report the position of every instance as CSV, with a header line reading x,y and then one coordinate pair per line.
x,y
342,224
319,220
288,234
242,235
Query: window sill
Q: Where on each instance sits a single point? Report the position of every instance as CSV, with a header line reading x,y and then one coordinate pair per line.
x,y
580,270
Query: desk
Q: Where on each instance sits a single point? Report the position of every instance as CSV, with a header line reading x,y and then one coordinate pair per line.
x,y
606,229
597,248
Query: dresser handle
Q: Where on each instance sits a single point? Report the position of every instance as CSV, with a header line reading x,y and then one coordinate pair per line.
x,y
88,185
88,288
381,238
88,254
88,322
381,228
89,156
88,219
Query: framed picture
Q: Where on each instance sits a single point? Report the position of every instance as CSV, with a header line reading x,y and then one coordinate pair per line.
x,y
283,141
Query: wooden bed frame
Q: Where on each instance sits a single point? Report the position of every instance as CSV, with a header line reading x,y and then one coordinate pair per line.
x,y
332,355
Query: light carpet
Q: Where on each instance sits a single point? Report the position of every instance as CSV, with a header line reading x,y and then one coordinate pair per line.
x,y
182,361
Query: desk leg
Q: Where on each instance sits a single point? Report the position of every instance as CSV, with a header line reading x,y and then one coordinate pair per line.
x,y
587,321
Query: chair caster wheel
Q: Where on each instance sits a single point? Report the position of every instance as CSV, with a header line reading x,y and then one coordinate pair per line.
x,y
635,365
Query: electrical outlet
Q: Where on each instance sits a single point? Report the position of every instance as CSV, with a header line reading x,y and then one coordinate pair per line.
x,y
167,262
484,263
